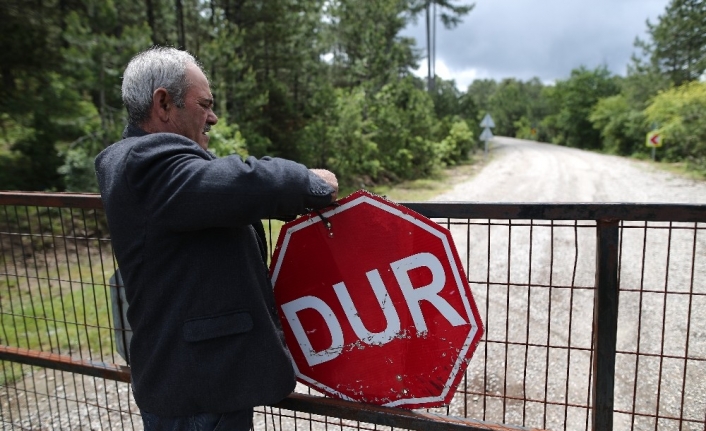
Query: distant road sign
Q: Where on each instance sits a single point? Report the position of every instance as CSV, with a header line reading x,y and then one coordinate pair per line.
x,y
654,139
486,135
487,122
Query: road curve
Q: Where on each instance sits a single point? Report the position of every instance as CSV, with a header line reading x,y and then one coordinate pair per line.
x,y
528,171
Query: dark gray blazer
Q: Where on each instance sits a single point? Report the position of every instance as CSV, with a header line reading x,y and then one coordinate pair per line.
x,y
184,227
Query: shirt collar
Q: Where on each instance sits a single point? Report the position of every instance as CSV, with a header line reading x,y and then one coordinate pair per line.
x,y
132,131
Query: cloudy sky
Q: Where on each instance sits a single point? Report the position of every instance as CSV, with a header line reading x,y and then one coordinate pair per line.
x,y
542,38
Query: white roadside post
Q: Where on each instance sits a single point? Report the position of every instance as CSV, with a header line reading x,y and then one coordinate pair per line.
x,y
487,135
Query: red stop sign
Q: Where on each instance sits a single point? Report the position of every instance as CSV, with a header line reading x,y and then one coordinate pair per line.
x,y
375,308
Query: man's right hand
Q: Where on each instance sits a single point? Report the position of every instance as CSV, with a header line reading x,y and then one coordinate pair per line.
x,y
329,178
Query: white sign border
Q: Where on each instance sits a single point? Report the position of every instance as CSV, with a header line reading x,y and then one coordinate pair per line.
x,y
459,283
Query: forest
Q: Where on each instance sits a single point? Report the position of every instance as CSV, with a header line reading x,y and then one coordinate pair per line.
x,y
328,83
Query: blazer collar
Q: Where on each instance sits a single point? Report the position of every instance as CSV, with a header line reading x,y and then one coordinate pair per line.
x,y
132,131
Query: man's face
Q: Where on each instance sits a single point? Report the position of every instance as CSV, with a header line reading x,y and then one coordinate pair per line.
x,y
196,117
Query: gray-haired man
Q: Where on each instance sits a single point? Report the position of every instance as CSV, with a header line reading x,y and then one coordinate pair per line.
x,y
207,345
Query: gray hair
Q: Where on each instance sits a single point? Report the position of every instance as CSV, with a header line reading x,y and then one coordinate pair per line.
x,y
149,70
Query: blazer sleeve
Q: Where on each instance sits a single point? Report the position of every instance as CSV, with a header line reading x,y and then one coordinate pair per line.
x,y
185,188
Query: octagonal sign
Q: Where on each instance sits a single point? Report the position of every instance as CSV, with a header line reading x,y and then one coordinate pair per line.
x,y
375,304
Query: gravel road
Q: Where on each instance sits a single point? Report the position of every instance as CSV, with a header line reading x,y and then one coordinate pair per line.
x,y
525,171
521,309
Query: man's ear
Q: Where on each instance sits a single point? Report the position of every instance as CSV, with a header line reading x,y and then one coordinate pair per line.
x,y
162,104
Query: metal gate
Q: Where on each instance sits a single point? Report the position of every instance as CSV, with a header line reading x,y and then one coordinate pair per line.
x,y
595,318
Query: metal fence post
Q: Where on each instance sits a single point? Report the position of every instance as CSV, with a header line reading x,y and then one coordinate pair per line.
x,y
605,323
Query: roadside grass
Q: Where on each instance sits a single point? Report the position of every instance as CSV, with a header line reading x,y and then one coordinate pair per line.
x,y
442,180
682,169
54,295
70,317
74,320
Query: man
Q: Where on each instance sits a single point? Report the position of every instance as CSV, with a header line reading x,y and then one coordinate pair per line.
x,y
207,344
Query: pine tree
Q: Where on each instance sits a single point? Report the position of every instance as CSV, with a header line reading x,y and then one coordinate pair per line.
x,y
678,47
449,18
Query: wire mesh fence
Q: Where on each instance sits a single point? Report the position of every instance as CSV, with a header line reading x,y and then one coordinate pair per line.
x,y
661,351
533,270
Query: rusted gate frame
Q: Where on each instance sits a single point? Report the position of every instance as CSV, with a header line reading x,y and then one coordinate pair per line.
x,y
607,217
661,355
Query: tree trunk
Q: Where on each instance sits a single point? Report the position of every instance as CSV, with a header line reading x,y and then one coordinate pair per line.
x,y
429,83
150,21
433,49
180,25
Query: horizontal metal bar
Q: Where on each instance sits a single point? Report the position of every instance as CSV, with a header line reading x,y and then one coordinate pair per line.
x,y
398,418
55,200
56,361
460,210
561,211
697,359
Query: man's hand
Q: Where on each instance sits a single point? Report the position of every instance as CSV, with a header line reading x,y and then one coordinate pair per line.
x,y
330,179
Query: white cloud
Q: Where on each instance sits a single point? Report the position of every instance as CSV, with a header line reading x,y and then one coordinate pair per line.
x,y
539,38
463,78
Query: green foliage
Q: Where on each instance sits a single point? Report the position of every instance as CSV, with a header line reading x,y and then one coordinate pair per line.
x,y
404,120
678,45
234,85
622,127
480,92
14,172
681,117
446,98
353,153
58,116
642,83
342,138
225,139
365,44
78,170
508,103
525,130
675,54
62,87
326,83
458,144
574,99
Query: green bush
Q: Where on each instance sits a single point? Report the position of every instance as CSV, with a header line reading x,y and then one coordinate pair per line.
x,y
404,121
79,171
680,115
622,127
225,139
456,146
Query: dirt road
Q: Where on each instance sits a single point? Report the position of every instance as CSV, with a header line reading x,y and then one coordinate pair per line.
x,y
510,270
527,171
